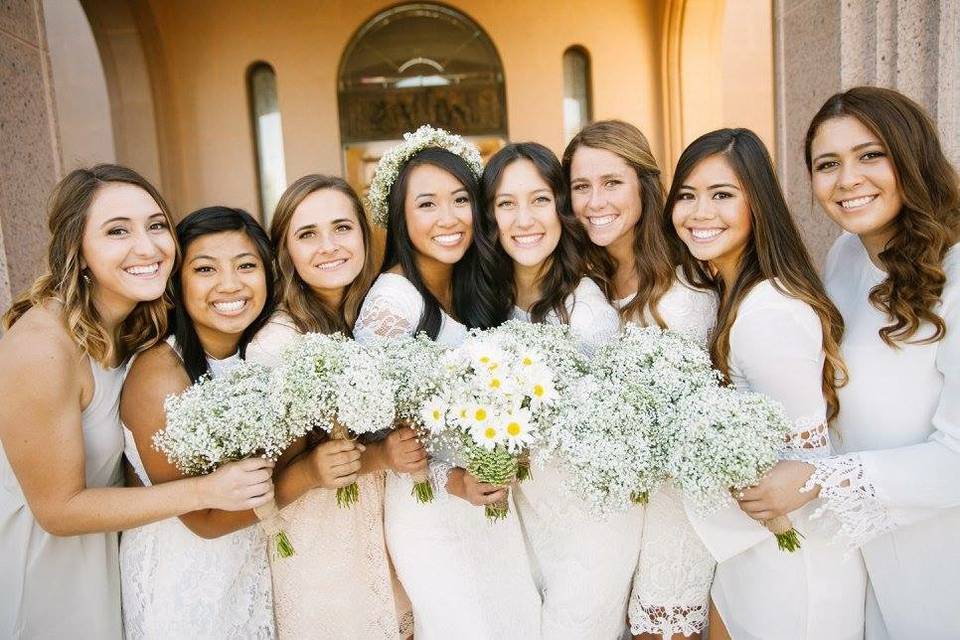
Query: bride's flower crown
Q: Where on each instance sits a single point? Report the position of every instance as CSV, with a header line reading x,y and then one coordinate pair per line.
x,y
393,160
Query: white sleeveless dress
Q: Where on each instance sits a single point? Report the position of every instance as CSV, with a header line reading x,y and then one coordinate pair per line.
x,y
467,578
583,564
65,587
176,584
671,586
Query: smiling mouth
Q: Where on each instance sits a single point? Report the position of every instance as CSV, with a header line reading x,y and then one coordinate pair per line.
x,y
705,235
449,239
855,203
144,270
527,240
230,307
330,266
602,221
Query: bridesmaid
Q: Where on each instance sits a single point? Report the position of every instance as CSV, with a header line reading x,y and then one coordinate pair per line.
x,y
467,578
101,301
326,266
584,566
878,170
617,195
205,574
777,333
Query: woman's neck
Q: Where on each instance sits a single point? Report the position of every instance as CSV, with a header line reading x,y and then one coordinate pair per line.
x,y
438,278
527,282
216,344
625,280
330,297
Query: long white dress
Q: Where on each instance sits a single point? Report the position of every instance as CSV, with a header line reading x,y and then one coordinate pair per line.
x,y
776,348
466,578
671,584
583,565
900,421
65,587
176,584
341,557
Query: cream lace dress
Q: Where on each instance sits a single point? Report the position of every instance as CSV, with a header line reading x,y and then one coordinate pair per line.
x,y
339,584
895,494
468,579
582,564
776,348
176,584
671,585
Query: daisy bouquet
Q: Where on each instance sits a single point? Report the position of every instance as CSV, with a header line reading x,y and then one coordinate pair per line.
x,y
227,418
416,368
727,439
332,383
500,394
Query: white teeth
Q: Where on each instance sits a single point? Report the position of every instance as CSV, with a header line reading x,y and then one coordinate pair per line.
x,y
602,221
856,202
228,307
328,266
528,240
143,270
705,234
448,239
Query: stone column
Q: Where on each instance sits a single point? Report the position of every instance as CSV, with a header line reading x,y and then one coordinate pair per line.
x,y
29,150
826,46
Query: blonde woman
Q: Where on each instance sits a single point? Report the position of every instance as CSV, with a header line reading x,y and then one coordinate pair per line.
x,y
340,583
61,368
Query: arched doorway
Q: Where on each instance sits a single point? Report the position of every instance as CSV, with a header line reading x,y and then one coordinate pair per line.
x,y
414,64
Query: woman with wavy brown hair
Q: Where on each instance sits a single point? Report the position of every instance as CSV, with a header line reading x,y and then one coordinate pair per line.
x,y
325,266
616,193
878,170
62,364
777,333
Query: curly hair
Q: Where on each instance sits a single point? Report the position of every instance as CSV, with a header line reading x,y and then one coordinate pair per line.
x,y
927,225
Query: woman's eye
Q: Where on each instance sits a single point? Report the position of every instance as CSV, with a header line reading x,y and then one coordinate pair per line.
x,y
343,228
580,187
826,165
117,231
610,184
426,205
685,196
542,200
159,226
722,195
462,200
203,269
306,235
873,155
503,204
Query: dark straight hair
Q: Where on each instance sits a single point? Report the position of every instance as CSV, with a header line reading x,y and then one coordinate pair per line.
x,y
565,267
774,251
204,222
476,302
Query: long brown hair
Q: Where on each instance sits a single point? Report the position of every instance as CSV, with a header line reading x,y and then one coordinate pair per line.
x,y
774,251
309,312
565,266
66,283
929,221
653,255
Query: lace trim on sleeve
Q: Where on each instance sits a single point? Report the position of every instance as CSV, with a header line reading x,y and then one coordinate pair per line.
x,y
850,498
381,318
809,440
439,470
666,621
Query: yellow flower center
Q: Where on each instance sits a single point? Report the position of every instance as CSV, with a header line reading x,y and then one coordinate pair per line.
x,y
436,414
513,428
489,433
480,415
538,390
527,361
494,383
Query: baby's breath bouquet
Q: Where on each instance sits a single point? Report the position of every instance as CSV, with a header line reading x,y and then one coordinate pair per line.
x,y
332,383
415,366
500,395
726,439
227,418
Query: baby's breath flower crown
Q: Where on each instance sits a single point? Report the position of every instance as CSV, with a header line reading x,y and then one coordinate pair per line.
x,y
393,160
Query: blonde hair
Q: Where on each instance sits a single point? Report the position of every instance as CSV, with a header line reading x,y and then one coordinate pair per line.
x,y
66,283
307,310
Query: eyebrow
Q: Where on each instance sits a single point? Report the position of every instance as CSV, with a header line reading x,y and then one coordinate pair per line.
x,y
128,219
245,254
540,190
433,195
720,185
862,145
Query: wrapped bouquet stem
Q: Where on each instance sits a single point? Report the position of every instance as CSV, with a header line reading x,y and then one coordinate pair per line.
x,y
272,524
347,495
496,466
788,538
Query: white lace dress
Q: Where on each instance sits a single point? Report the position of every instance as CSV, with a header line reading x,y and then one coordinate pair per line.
x,y
776,348
896,494
175,584
467,578
671,585
339,583
582,564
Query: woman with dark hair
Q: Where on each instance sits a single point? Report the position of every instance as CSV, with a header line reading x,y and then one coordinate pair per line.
x,y
878,170
205,574
326,265
778,334
616,193
465,578
62,364
584,565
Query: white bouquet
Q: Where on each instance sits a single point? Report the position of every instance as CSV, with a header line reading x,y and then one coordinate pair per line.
x,y
219,420
726,440
500,395
331,383
417,371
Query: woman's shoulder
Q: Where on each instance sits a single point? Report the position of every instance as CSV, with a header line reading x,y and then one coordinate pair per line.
x,y
154,374
269,342
393,290
770,298
39,341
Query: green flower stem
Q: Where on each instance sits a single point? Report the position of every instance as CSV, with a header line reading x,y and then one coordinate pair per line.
x,y
284,548
422,491
348,496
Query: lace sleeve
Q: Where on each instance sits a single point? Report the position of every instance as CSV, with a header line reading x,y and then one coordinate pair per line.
x,y
267,346
392,308
593,320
